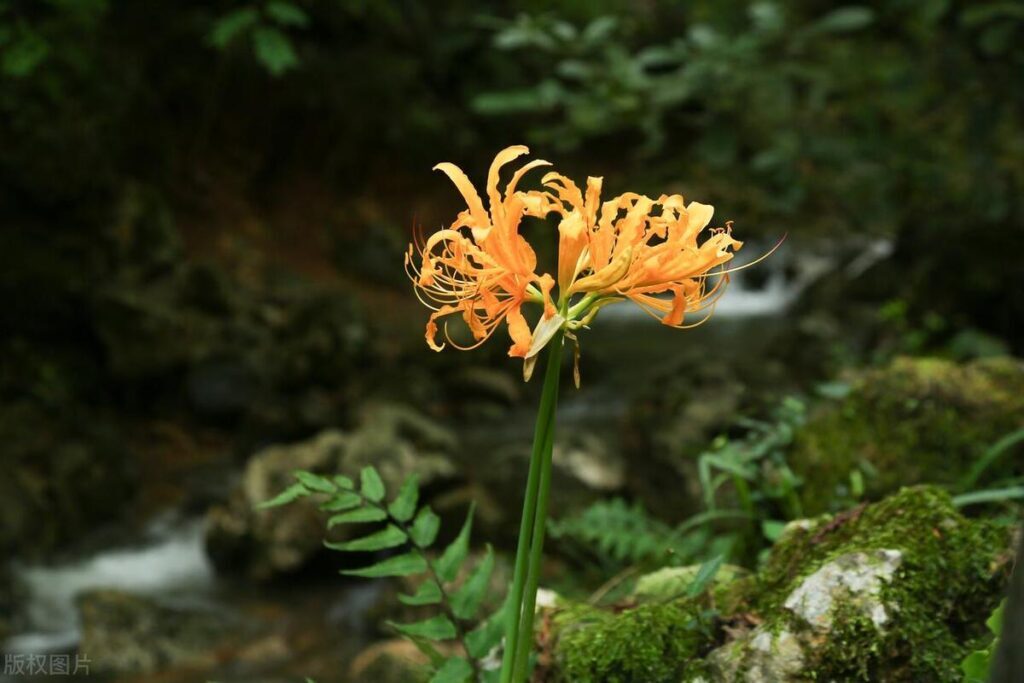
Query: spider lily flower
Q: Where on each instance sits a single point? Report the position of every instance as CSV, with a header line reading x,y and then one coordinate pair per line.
x,y
481,267
654,253
636,248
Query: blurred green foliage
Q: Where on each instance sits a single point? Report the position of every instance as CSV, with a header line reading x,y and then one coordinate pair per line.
x,y
264,24
851,118
903,118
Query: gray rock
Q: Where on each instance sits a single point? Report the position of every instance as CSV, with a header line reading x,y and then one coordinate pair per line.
x,y
854,579
123,633
395,439
759,657
587,459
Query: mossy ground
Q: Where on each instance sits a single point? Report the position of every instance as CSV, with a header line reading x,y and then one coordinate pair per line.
x,y
915,421
654,643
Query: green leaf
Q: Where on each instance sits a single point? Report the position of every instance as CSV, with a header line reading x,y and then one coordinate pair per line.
x,y
230,25
772,529
995,620
991,455
342,501
429,593
21,57
426,647
399,565
372,485
705,575
292,493
344,482
454,555
976,666
403,507
466,601
481,640
286,14
844,19
454,670
856,483
274,50
389,537
357,516
315,482
989,496
439,627
599,30
484,637
425,527
510,102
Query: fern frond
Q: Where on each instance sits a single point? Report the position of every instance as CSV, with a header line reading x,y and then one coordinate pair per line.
x,y
411,530
616,530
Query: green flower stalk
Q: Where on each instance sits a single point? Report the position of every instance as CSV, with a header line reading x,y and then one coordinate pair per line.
x,y
480,269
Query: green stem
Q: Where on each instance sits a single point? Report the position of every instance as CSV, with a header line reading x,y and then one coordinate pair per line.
x,y
581,305
545,424
524,643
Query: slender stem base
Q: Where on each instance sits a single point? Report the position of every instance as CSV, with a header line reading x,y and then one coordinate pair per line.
x,y
525,642
523,596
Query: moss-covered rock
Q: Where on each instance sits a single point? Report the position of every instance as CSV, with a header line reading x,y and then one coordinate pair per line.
x,y
895,591
652,643
914,421
668,583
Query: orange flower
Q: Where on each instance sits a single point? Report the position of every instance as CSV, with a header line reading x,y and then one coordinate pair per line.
x,y
481,267
631,247
634,248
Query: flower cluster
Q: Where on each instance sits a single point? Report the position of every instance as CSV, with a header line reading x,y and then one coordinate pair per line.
x,y
654,252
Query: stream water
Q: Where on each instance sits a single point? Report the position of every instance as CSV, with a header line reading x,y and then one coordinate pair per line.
x,y
169,560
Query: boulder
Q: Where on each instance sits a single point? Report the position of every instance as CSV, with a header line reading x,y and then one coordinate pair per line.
x,y
894,591
130,634
64,476
913,421
397,440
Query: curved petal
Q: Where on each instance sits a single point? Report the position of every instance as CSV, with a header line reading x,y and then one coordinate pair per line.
x,y
503,157
698,216
476,206
512,184
519,330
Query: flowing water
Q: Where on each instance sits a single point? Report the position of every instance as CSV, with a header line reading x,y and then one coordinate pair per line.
x,y
169,560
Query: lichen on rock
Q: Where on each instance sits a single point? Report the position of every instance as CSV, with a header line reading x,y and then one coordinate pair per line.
x,y
856,577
